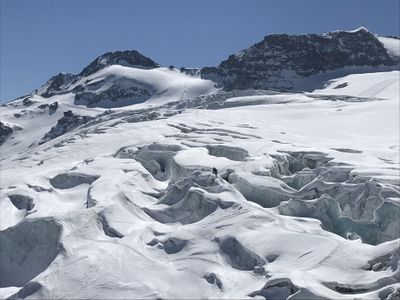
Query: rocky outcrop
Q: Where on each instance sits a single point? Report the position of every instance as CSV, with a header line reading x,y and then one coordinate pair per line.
x,y
67,123
5,132
22,201
280,59
57,84
120,92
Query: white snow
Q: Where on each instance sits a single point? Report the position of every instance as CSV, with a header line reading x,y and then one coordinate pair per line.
x,y
392,45
190,234
203,159
169,85
372,85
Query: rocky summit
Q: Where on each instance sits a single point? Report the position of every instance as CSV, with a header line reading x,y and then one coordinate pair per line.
x,y
279,61
130,58
63,82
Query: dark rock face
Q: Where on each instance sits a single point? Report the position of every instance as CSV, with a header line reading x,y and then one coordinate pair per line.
x,y
22,202
130,58
57,84
212,278
27,101
125,91
189,71
280,58
67,123
5,132
53,107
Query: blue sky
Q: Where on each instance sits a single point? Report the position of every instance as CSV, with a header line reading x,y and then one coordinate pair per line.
x,y
44,37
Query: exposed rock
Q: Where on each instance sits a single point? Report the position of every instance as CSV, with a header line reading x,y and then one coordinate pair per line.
x,y
22,202
63,82
278,60
43,106
212,278
27,101
67,123
53,107
5,132
125,91
56,84
130,58
190,71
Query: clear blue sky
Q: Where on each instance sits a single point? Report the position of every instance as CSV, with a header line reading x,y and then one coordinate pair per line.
x,y
44,37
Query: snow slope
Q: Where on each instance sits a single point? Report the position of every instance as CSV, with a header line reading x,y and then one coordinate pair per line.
x,y
392,45
34,117
372,85
306,204
165,84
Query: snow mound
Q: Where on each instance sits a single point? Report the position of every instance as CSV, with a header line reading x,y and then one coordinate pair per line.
x,y
117,86
378,85
392,45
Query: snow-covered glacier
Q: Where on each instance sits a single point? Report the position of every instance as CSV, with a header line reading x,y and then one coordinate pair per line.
x,y
107,188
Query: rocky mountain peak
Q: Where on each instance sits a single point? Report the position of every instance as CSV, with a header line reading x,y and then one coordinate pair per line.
x,y
56,84
62,82
279,59
129,58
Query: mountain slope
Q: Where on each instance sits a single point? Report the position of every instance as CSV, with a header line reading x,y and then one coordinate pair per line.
x,y
119,78
110,87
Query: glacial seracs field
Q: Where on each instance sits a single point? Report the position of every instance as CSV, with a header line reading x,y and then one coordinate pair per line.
x,y
107,188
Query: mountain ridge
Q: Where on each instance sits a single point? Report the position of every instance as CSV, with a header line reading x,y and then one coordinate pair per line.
x,y
293,58
279,60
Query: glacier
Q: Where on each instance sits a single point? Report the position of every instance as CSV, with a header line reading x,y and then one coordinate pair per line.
x,y
109,193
